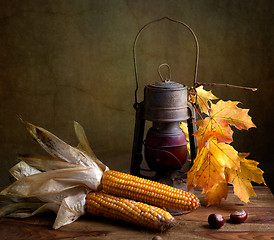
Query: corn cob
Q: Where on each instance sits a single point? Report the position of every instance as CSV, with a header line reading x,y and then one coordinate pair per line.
x,y
151,192
138,213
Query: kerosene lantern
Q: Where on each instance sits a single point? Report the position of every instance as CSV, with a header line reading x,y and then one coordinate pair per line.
x,y
165,104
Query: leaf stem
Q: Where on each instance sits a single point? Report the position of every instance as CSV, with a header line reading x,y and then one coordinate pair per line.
x,y
194,105
208,109
226,85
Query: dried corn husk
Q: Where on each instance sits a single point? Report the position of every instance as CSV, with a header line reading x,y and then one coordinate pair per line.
x,y
58,148
45,163
72,207
11,209
55,181
22,169
60,182
84,145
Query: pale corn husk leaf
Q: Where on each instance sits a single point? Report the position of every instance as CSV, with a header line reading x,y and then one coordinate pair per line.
x,y
55,181
22,169
24,207
8,199
11,204
71,209
58,148
83,141
46,207
84,145
46,163
69,175
57,198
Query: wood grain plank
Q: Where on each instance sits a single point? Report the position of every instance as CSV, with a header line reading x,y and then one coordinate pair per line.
x,y
259,224
238,235
15,230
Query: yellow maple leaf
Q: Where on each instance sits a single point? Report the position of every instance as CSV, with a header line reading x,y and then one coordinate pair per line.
x,y
217,193
209,166
223,114
183,126
241,180
204,98
217,163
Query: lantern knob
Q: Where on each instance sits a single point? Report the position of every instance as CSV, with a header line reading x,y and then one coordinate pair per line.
x,y
169,72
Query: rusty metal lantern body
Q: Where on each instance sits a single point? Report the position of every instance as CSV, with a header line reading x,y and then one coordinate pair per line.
x,y
165,104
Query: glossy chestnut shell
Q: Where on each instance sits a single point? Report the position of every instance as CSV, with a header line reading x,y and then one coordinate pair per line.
x,y
216,220
238,216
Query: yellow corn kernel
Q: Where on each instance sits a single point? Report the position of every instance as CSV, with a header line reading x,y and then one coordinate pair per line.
x,y
138,213
148,191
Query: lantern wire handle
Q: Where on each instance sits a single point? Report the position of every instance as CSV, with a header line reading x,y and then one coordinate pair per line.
x,y
169,72
134,51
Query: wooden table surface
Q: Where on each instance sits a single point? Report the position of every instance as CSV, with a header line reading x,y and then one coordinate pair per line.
x,y
259,224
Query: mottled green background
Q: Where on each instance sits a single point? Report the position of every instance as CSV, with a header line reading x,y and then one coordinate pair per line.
x,y
66,60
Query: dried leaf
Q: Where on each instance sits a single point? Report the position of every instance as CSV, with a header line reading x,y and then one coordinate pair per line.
x,y
33,210
222,114
11,209
83,141
204,99
217,193
46,163
217,163
84,145
241,186
183,126
8,199
210,163
55,181
241,180
249,169
47,207
69,175
57,198
22,169
71,209
58,148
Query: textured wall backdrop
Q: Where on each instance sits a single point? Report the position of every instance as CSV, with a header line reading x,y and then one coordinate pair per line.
x,y
65,60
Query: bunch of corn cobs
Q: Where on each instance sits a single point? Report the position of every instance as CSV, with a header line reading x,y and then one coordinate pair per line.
x,y
152,197
107,193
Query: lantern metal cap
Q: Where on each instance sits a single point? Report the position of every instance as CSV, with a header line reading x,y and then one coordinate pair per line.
x,y
168,84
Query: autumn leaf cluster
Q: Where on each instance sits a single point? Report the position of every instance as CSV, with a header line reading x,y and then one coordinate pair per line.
x,y
217,163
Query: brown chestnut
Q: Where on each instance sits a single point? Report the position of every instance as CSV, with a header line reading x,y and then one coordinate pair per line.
x,y
216,220
157,238
238,216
